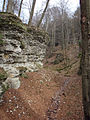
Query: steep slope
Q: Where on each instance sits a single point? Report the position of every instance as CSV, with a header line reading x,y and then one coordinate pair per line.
x,y
46,95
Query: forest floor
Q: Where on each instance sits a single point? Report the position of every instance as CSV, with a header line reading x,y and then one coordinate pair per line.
x,y
52,93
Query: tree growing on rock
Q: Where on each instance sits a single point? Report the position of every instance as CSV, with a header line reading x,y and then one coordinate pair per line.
x,y
32,12
20,8
10,6
40,21
3,5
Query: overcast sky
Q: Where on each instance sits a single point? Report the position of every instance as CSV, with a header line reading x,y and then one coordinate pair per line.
x,y
72,5
40,4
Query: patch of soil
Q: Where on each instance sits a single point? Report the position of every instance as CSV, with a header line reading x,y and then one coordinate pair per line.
x,y
30,101
15,108
44,95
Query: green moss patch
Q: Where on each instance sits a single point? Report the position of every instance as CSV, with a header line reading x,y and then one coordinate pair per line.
x,y
1,39
5,87
1,42
10,21
22,46
1,36
3,75
38,34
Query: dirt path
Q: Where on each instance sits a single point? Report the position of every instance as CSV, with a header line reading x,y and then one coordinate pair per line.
x,y
66,103
55,101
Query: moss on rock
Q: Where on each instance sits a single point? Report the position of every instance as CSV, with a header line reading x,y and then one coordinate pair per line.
x,y
1,39
22,70
38,34
10,21
22,46
3,75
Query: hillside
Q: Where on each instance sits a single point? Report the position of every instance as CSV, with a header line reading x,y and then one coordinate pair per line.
x,y
51,93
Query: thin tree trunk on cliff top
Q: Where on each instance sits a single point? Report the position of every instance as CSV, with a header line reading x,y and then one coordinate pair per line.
x,y
10,6
43,14
31,13
85,26
3,5
20,8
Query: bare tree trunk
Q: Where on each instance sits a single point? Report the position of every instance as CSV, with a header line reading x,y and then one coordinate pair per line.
x,y
31,13
47,23
73,32
20,8
62,31
54,34
85,25
43,14
10,6
3,5
52,40
63,37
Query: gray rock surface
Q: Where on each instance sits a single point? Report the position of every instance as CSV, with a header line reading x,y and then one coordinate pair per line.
x,y
20,48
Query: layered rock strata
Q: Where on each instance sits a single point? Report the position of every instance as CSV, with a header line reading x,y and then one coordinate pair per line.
x,y
21,48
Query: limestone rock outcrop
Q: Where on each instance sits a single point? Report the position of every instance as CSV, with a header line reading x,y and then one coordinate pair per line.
x,y
20,48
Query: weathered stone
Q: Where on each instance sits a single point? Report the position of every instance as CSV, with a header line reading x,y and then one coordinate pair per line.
x,y
21,48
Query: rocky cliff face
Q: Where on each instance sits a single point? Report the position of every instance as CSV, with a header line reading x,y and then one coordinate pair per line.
x,y
21,48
